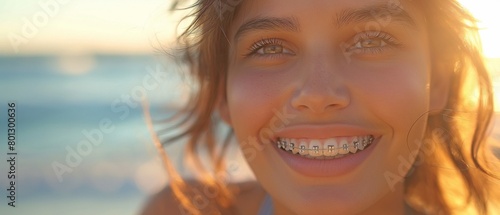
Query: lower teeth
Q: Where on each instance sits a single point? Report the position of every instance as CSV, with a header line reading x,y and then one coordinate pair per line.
x,y
320,157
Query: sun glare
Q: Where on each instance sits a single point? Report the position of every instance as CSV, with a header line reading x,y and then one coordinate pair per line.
x,y
486,12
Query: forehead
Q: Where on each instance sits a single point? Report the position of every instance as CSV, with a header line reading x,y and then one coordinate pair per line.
x,y
334,12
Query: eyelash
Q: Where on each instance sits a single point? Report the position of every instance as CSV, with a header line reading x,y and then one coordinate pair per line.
x,y
263,43
390,42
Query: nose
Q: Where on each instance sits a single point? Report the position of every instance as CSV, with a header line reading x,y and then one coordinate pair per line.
x,y
322,90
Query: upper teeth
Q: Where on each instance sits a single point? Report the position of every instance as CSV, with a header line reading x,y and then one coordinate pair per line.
x,y
320,148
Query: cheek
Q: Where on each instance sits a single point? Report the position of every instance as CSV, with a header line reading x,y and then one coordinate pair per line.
x,y
396,94
398,98
252,97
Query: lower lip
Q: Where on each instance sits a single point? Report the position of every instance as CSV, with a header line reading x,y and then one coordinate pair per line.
x,y
326,167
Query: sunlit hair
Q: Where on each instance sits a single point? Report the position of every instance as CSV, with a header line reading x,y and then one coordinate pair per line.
x,y
459,162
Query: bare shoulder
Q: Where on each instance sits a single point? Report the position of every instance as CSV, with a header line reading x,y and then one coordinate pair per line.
x,y
248,196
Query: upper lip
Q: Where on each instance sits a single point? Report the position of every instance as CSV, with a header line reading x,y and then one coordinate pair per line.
x,y
306,131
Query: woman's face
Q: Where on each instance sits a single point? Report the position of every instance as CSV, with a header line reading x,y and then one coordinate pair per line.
x,y
346,82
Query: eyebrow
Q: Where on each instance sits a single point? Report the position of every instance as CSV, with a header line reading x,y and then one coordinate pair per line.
x,y
377,12
269,23
343,18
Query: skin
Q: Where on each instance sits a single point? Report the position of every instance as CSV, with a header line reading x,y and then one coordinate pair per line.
x,y
315,73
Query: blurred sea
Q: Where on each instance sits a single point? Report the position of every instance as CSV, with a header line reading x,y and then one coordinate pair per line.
x,y
58,99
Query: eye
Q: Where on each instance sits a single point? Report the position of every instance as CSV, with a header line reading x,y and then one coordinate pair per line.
x,y
372,42
268,47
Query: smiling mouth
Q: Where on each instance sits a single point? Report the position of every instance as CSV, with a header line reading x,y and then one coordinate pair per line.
x,y
331,148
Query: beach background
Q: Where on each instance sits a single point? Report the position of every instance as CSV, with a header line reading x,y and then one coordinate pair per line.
x,y
70,67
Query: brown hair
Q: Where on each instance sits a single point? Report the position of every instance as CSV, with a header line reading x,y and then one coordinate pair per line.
x,y
454,48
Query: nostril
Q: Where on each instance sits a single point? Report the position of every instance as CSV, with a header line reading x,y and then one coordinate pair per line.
x,y
318,101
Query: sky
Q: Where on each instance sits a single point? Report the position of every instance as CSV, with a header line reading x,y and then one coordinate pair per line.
x,y
132,26
48,26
